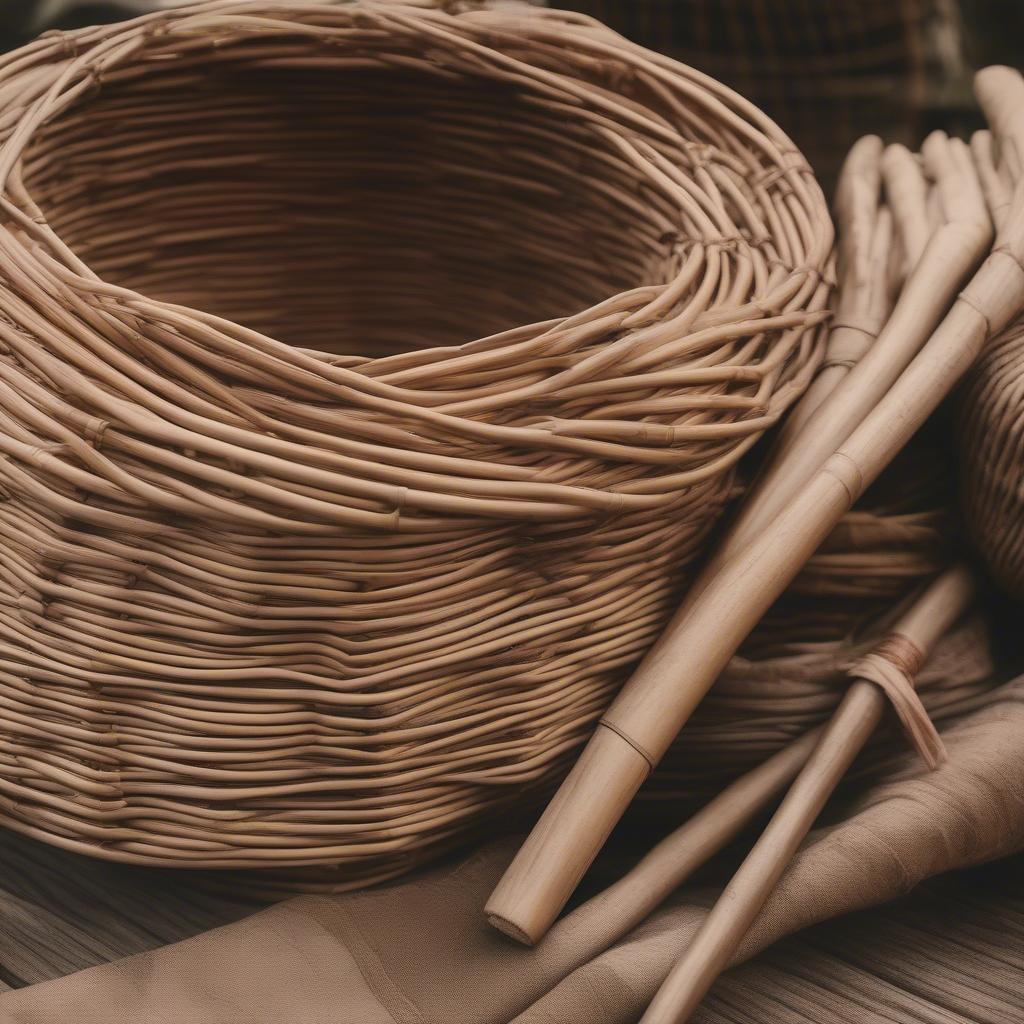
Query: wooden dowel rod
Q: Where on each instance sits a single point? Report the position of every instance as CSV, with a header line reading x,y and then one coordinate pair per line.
x,y
614,912
862,302
849,729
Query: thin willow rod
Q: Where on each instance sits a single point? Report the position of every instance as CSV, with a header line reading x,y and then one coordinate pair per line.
x,y
901,654
681,667
627,902
864,291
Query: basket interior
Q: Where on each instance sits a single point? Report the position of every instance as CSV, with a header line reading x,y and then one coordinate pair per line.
x,y
348,208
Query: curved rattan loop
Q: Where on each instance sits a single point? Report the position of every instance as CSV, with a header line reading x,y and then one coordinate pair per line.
x,y
330,587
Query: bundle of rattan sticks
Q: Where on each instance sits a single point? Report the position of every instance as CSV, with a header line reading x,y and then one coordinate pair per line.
x,y
791,671
294,572
943,208
789,675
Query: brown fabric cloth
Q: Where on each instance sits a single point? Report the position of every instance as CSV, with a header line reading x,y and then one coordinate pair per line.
x,y
419,953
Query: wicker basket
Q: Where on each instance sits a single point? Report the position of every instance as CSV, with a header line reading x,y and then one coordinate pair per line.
x,y
336,586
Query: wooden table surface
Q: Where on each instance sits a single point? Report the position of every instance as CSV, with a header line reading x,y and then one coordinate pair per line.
x,y
951,953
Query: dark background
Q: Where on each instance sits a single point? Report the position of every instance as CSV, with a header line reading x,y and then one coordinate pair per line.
x,y
828,71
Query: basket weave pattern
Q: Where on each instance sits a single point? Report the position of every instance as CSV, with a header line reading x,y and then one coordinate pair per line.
x,y
332,587
991,435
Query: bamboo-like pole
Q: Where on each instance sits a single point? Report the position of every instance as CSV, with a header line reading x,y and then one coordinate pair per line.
x,y
683,664
949,256
625,903
856,718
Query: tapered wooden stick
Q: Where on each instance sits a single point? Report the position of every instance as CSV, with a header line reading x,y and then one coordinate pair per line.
x,y
907,193
852,724
623,905
685,661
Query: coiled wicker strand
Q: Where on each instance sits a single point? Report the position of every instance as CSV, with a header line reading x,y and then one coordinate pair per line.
x,y
292,573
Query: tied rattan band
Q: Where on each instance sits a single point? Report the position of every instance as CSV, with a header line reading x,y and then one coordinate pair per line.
x,y
295,571
893,666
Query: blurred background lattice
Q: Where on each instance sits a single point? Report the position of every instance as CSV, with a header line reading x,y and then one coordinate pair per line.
x,y
828,71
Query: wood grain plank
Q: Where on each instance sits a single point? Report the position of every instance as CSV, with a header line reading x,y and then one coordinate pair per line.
x,y
951,953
